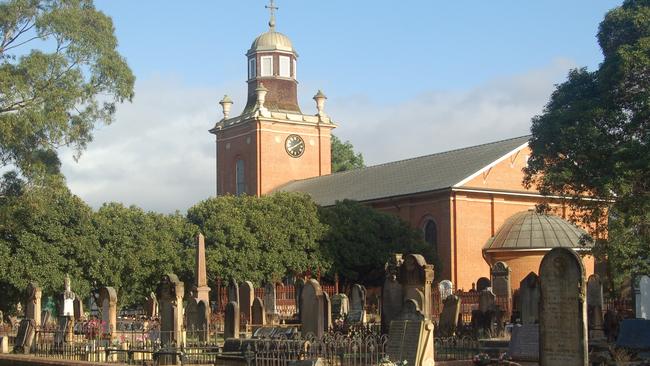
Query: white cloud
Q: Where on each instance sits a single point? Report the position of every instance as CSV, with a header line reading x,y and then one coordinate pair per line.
x,y
158,154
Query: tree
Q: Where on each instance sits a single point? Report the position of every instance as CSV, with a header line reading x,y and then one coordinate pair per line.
x,y
343,156
45,233
593,139
138,247
54,95
259,238
361,239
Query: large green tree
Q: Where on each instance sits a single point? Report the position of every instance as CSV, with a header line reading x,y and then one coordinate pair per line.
x,y
260,238
60,73
361,239
593,139
343,156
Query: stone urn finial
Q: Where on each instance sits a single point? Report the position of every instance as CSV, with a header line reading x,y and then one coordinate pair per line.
x,y
226,103
320,103
261,96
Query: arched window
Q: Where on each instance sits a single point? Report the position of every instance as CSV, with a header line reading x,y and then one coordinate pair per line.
x,y
240,177
431,234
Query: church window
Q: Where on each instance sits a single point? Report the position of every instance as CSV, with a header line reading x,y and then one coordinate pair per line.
x,y
285,64
240,177
431,234
267,65
251,68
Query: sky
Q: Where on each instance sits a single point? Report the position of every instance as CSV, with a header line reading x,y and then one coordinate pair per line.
x,y
403,79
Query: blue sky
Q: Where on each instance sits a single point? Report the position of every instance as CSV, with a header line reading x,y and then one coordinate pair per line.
x,y
403,79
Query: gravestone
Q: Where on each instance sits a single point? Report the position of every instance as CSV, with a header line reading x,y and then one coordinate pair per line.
x,y
312,309
233,291
258,313
78,309
298,285
391,304
25,336
33,304
108,303
203,320
562,309
246,297
411,337
357,312
595,309
231,321
201,288
642,297
524,343
486,300
340,306
483,283
416,278
270,300
45,317
529,299
191,315
500,273
449,316
327,309
170,293
446,288
634,334
151,306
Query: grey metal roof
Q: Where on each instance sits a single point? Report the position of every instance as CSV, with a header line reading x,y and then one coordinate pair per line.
x,y
531,230
416,175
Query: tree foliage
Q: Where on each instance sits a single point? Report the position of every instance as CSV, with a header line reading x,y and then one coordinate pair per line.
x,y
259,238
52,95
343,156
593,140
361,239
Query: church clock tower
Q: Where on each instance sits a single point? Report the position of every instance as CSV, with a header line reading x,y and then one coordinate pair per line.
x,y
272,142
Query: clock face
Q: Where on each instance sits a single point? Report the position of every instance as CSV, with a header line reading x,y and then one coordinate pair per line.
x,y
295,146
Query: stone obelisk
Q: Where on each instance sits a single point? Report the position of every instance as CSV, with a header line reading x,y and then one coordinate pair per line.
x,y
202,289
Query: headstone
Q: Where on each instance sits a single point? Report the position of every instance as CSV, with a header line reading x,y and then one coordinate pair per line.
x,y
634,334
78,309
170,292
4,343
483,283
411,337
327,308
258,313
33,304
231,321
25,336
449,316
500,273
486,300
246,297
151,306
45,317
595,309
340,306
270,299
357,312
416,278
108,302
642,297
391,304
529,299
524,343
563,313
191,315
233,291
298,285
311,309
446,288
203,319
65,330
201,288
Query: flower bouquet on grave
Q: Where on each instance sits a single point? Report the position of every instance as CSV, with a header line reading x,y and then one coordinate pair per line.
x,y
481,359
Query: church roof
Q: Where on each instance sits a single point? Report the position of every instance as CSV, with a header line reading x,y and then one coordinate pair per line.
x,y
404,177
531,230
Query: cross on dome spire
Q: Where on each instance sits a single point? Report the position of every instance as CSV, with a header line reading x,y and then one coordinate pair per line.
x,y
272,8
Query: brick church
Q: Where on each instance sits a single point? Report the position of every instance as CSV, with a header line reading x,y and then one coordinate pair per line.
x,y
470,202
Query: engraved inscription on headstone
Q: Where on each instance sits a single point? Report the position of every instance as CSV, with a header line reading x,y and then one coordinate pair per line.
x,y
524,343
529,299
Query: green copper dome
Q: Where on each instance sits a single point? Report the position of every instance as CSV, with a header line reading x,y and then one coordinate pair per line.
x,y
530,230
